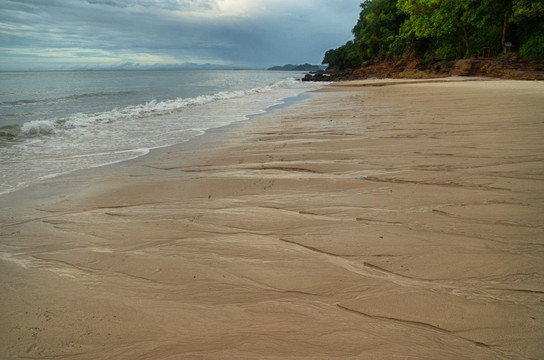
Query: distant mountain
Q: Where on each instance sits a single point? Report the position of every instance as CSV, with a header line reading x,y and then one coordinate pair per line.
x,y
303,67
178,66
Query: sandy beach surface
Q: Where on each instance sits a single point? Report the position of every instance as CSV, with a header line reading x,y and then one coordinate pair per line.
x,y
375,220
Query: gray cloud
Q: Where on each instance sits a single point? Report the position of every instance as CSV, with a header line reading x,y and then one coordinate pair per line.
x,y
158,4
56,34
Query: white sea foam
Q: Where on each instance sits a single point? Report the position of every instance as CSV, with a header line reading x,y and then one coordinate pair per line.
x,y
39,127
49,127
49,148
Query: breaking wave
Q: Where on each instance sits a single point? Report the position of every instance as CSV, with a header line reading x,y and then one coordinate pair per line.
x,y
49,127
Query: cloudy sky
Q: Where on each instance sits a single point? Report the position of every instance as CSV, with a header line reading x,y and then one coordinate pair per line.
x,y
70,34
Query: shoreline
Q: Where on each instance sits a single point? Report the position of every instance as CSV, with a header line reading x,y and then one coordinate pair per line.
x,y
127,124
34,189
372,219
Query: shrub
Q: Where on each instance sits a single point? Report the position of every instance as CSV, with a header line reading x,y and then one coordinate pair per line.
x,y
533,48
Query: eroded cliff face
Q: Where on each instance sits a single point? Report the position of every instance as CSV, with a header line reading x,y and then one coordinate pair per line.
x,y
498,68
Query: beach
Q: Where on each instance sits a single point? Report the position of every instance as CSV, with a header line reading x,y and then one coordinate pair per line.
x,y
378,219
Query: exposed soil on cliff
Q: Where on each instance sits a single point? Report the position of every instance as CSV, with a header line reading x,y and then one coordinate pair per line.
x,y
504,68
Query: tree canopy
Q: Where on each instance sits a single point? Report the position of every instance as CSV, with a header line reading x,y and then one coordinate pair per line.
x,y
442,30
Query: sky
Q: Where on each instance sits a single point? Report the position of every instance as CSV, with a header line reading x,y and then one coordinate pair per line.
x,y
99,34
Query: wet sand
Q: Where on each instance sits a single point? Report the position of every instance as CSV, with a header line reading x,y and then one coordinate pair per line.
x,y
376,220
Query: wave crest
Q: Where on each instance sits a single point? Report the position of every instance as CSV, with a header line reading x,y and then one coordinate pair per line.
x,y
39,127
50,127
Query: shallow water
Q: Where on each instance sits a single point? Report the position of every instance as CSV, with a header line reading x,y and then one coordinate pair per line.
x,y
53,123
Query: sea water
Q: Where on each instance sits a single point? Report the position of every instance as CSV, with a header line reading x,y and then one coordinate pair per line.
x,y
53,123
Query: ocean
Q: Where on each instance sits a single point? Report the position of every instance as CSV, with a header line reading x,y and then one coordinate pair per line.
x,y
54,123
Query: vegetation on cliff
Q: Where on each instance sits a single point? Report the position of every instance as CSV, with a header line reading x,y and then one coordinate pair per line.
x,y
441,30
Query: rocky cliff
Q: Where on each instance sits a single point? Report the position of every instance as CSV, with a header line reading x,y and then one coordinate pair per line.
x,y
508,68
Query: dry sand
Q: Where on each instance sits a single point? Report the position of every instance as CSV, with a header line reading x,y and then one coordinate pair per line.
x,y
403,221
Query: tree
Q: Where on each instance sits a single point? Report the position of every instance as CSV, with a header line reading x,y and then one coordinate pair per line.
x,y
528,19
441,29
455,28
377,28
527,9
344,57
436,20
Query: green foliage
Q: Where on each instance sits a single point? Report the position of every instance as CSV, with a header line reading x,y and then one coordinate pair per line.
x,y
345,57
377,28
527,9
533,48
455,28
528,19
441,30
